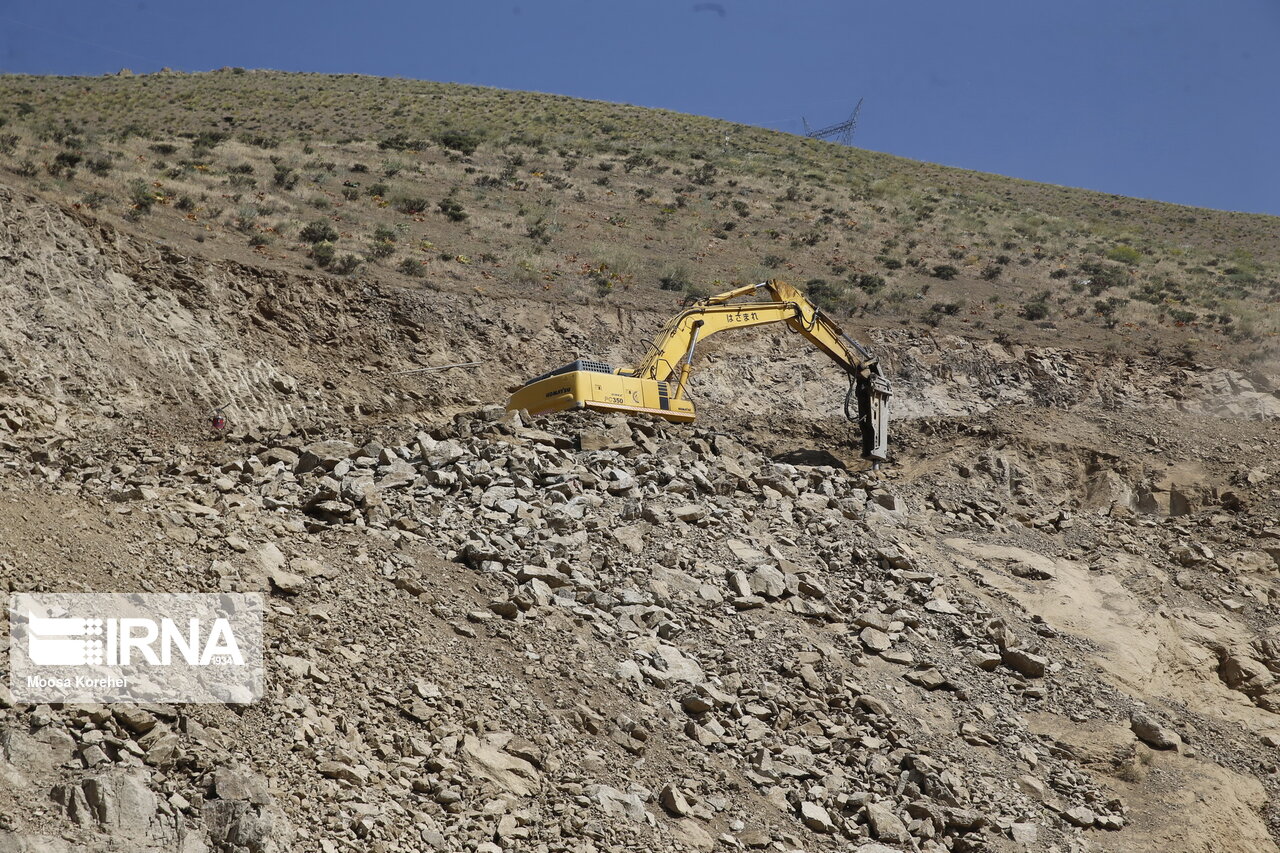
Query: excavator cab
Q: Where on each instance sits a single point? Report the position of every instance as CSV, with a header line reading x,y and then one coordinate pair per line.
x,y
586,384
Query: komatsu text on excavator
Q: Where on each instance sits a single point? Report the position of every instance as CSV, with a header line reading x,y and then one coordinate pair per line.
x,y
658,384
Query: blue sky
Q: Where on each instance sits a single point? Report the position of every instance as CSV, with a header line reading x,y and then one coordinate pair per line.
x,y
1167,99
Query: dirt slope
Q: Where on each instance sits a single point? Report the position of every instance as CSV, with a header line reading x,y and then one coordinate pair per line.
x,y
1050,625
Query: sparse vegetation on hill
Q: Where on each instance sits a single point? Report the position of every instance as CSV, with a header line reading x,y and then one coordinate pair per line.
x,y
464,186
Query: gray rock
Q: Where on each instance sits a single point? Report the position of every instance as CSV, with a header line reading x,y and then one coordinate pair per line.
x,y
325,455
671,799
11,842
234,783
875,640
242,825
119,801
1151,732
675,665
1025,833
616,802
690,513
885,825
134,719
36,753
352,774
816,817
286,582
487,758
1025,663
768,581
1081,816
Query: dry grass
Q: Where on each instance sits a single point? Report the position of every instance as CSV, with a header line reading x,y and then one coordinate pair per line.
x,y
577,199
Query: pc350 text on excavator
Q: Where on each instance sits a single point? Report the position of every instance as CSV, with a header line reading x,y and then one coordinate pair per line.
x,y
657,386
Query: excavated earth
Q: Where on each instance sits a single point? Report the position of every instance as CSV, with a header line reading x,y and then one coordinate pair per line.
x,y
1049,625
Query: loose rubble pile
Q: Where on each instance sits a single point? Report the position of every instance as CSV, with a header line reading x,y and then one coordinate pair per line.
x,y
590,634
1049,626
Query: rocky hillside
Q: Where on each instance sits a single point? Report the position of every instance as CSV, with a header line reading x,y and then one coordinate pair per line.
x,y
535,196
1049,625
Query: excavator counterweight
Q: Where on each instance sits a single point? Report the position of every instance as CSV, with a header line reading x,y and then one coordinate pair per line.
x,y
657,385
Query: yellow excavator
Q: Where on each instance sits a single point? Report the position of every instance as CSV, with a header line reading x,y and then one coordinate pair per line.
x,y
657,385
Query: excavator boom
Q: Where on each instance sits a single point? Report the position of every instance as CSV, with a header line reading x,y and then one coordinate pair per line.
x,y
657,385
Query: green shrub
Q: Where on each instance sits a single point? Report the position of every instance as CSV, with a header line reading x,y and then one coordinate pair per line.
x,y
824,292
402,142
259,239
636,160
141,195
1124,254
208,140
260,141
379,249
452,208
322,253
379,190
1107,308
1035,311
384,232
1242,277
991,272
676,278
284,177
539,230
346,264
411,205
318,231
1104,276
412,267
774,261
946,272
889,263
8,143
704,175
463,141
869,283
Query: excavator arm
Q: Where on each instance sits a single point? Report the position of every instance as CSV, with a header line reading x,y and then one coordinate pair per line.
x,y
658,384
671,359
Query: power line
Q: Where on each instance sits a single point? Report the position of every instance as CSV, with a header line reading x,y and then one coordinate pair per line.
x,y
72,38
